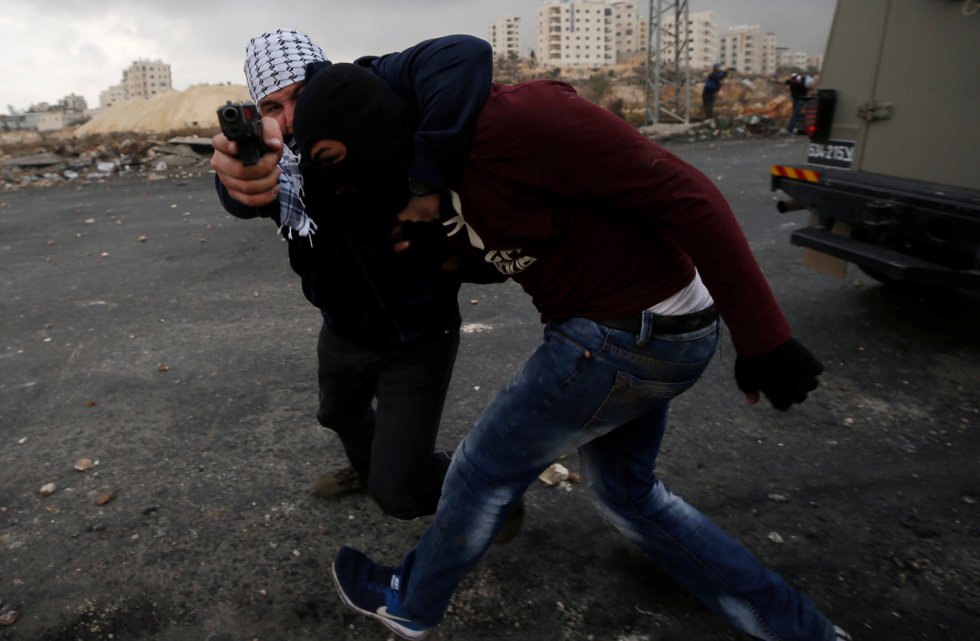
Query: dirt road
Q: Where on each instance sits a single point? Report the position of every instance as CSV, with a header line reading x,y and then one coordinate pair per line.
x,y
146,330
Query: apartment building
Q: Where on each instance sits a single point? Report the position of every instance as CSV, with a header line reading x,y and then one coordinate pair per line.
x,y
143,79
112,95
73,103
703,45
629,31
504,36
146,78
786,57
589,33
749,50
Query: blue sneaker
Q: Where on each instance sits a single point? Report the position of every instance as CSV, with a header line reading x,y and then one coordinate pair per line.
x,y
372,589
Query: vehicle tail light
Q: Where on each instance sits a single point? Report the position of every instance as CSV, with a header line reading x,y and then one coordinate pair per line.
x,y
818,115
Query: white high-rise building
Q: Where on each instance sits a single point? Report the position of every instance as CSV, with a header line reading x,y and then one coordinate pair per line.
x,y
589,33
785,57
703,43
504,36
146,78
749,50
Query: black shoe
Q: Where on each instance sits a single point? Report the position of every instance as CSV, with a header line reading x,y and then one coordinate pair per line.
x,y
339,483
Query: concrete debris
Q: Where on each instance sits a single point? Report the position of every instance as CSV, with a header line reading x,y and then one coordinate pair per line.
x,y
99,158
554,475
37,160
721,127
9,617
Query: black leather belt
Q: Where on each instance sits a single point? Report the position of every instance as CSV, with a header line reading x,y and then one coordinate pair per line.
x,y
665,324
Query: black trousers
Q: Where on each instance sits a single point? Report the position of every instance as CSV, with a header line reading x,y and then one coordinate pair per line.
x,y
708,104
390,442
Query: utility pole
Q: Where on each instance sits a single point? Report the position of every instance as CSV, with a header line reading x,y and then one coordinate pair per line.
x,y
668,68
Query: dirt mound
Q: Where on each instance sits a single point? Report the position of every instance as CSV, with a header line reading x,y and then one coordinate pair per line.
x,y
193,108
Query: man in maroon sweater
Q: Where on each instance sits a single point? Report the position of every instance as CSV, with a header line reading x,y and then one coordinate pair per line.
x,y
626,251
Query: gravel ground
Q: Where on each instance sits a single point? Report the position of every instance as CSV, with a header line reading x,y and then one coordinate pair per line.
x,y
146,330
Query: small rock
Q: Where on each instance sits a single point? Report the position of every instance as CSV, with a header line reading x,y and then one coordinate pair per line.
x,y
554,474
48,489
9,617
778,498
574,477
775,537
102,499
141,239
969,499
84,464
162,367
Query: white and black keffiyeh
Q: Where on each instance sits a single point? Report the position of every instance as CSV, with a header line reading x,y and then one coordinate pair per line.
x,y
278,59
292,209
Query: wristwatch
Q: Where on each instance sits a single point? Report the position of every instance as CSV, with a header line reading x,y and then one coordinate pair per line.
x,y
417,188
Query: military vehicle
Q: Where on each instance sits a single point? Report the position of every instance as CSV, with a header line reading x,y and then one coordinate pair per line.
x,y
892,172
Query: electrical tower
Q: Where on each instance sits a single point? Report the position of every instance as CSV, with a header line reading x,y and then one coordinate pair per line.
x,y
668,96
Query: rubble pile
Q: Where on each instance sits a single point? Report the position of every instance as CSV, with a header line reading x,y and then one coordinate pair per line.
x,y
133,137
97,158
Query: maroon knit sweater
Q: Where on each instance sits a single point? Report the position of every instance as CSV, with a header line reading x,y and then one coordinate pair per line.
x,y
594,220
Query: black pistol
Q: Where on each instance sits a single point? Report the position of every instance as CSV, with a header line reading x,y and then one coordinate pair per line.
x,y
241,122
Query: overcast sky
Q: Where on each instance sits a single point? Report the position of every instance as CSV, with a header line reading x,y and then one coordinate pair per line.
x,y
51,48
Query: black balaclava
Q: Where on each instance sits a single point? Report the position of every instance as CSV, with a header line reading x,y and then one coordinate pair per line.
x,y
348,103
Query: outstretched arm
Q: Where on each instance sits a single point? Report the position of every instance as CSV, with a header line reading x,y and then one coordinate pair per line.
x,y
449,78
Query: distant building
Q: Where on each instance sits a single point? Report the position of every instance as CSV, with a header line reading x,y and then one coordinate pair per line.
x,y
73,103
146,78
748,50
629,30
53,120
504,36
112,95
785,57
143,79
589,33
703,41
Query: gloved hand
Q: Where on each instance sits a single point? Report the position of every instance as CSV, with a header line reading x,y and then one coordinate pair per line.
x,y
423,245
784,374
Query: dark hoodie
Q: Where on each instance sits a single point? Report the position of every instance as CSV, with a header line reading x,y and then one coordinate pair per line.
x,y
369,293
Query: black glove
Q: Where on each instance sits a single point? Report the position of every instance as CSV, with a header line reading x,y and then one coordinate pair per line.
x,y
428,246
784,374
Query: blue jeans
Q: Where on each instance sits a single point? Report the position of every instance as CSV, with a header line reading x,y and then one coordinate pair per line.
x,y
606,393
